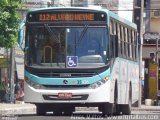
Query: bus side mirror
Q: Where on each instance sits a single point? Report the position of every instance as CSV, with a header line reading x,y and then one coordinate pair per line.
x,y
21,35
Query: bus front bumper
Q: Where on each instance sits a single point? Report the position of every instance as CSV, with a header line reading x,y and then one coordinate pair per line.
x,y
79,95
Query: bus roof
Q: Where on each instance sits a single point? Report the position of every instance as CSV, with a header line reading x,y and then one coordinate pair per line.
x,y
61,8
122,20
109,13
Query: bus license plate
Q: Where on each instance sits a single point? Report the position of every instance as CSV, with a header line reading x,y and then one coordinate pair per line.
x,y
64,95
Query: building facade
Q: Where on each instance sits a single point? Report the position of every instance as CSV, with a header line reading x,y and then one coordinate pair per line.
x,y
151,46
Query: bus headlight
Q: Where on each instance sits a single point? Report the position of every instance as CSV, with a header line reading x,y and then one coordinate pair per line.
x,y
33,84
99,83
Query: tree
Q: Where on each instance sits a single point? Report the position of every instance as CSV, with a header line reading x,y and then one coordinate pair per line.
x,y
9,21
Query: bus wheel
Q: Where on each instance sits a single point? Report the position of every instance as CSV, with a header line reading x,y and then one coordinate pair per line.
x,y
116,106
106,109
57,112
68,111
40,109
126,109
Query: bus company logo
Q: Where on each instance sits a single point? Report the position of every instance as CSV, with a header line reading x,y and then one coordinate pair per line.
x,y
65,82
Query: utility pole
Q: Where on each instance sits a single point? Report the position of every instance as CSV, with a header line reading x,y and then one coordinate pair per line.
x,y
140,56
157,71
138,19
12,66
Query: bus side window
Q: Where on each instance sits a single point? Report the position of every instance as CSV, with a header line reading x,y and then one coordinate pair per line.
x,y
133,44
135,37
114,46
119,39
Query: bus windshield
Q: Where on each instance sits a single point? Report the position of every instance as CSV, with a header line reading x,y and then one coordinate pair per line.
x,y
50,46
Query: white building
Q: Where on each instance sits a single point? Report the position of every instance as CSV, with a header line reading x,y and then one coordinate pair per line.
x,y
123,8
36,3
62,2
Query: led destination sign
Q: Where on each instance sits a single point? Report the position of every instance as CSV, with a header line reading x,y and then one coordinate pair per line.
x,y
53,16
68,17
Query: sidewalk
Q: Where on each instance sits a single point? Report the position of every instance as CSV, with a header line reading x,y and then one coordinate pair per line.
x,y
19,108
146,108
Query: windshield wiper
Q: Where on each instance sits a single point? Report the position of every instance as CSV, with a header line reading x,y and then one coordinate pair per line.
x,y
56,39
82,34
52,34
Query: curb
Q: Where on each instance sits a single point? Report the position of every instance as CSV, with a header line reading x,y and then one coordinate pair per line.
x,y
146,108
17,109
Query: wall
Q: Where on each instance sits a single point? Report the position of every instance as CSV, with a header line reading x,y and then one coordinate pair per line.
x,y
155,25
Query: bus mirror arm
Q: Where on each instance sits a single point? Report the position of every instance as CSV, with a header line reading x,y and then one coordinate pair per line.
x,y
21,34
26,48
20,38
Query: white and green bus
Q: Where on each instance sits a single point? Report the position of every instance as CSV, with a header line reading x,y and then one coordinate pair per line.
x,y
80,57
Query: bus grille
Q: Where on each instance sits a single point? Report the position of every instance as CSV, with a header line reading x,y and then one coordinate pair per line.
x,y
65,75
65,86
74,97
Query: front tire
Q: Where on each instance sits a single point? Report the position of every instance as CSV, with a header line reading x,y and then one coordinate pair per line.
x,y
116,106
40,110
106,109
69,111
65,109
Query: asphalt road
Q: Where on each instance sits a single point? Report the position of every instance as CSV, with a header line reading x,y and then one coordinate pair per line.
x,y
83,115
